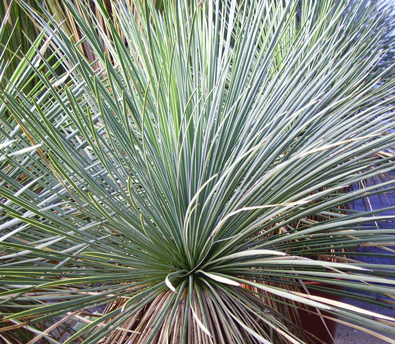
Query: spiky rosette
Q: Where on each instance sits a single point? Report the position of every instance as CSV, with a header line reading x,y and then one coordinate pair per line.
x,y
195,178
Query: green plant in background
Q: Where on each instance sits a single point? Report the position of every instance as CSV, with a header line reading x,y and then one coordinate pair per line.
x,y
17,35
19,31
190,183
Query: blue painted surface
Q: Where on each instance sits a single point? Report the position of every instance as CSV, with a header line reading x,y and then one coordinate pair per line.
x,y
378,202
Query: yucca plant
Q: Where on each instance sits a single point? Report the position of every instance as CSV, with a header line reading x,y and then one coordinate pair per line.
x,y
195,188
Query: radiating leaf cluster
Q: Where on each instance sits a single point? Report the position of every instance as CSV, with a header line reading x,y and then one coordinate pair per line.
x,y
192,184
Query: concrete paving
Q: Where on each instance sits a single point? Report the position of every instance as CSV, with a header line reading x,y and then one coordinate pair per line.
x,y
347,335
